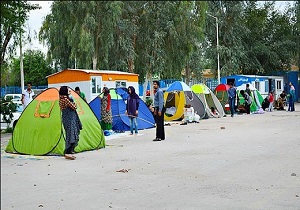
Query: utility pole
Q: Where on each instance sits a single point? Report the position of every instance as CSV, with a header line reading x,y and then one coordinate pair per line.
x,y
218,56
21,56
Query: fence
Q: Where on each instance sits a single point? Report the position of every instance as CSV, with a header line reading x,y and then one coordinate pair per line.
x,y
18,90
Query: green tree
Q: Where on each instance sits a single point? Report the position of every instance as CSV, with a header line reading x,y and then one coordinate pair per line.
x,y
231,31
36,68
270,43
84,31
13,16
295,19
5,74
123,52
54,34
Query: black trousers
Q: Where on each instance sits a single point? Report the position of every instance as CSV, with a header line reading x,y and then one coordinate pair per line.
x,y
70,149
160,120
247,107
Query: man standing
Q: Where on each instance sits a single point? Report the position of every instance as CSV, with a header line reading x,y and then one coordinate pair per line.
x,y
81,94
27,95
159,112
248,89
292,98
231,98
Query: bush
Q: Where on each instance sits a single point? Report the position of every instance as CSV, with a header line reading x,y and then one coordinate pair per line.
x,y
7,109
149,101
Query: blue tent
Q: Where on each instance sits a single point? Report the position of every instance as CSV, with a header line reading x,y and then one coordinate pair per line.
x,y
119,96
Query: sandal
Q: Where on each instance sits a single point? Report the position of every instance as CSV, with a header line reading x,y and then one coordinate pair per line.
x,y
70,157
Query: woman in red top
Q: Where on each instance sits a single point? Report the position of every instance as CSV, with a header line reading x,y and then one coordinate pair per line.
x,y
106,116
271,100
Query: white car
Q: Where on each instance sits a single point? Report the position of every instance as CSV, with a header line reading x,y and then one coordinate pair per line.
x,y
16,116
15,97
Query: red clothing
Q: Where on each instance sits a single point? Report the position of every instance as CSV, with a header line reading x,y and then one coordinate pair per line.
x,y
271,98
108,102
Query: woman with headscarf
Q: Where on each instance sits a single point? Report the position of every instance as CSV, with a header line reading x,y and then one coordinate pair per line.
x,y
106,118
132,108
71,122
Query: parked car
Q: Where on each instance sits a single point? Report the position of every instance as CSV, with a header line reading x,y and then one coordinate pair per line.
x,y
15,97
15,118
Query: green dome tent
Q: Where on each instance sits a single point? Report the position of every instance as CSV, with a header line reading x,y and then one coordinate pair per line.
x,y
255,94
39,130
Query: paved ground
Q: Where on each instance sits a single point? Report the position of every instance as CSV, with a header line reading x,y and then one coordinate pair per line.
x,y
254,163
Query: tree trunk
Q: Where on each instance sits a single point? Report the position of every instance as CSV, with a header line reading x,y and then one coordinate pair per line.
x,y
187,74
5,43
130,65
95,62
130,60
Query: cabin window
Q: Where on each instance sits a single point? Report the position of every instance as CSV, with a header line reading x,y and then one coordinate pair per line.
x,y
278,85
266,86
120,84
96,85
257,86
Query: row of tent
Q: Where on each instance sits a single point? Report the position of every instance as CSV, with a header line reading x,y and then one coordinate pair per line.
x,y
39,130
201,98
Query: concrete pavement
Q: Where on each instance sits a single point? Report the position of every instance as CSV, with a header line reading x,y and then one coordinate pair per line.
x,y
254,163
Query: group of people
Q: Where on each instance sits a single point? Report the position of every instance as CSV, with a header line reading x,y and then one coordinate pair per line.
x,y
132,107
72,124
267,103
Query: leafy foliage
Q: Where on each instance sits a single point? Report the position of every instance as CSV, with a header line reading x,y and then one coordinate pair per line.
x,y
13,16
253,39
35,67
7,109
170,39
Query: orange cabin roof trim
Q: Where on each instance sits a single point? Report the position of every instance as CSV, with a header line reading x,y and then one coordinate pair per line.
x,y
75,75
95,72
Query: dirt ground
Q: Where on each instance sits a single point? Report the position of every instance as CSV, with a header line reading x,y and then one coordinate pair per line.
x,y
254,163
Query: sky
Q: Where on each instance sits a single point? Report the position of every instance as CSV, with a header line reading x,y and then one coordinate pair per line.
x,y
34,23
36,18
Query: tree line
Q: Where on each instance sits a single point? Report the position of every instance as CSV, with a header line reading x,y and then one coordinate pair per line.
x,y
171,39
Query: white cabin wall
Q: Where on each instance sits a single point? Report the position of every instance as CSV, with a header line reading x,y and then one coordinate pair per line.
x,y
84,86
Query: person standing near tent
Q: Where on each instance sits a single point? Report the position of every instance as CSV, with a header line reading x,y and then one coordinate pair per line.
x,y
132,108
71,122
159,111
247,90
106,118
81,94
292,98
271,100
248,100
231,97
27,95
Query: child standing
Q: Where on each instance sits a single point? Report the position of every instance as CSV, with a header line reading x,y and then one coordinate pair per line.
x,y
271,100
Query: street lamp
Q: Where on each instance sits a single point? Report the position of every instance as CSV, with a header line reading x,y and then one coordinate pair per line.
x,y
217,25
